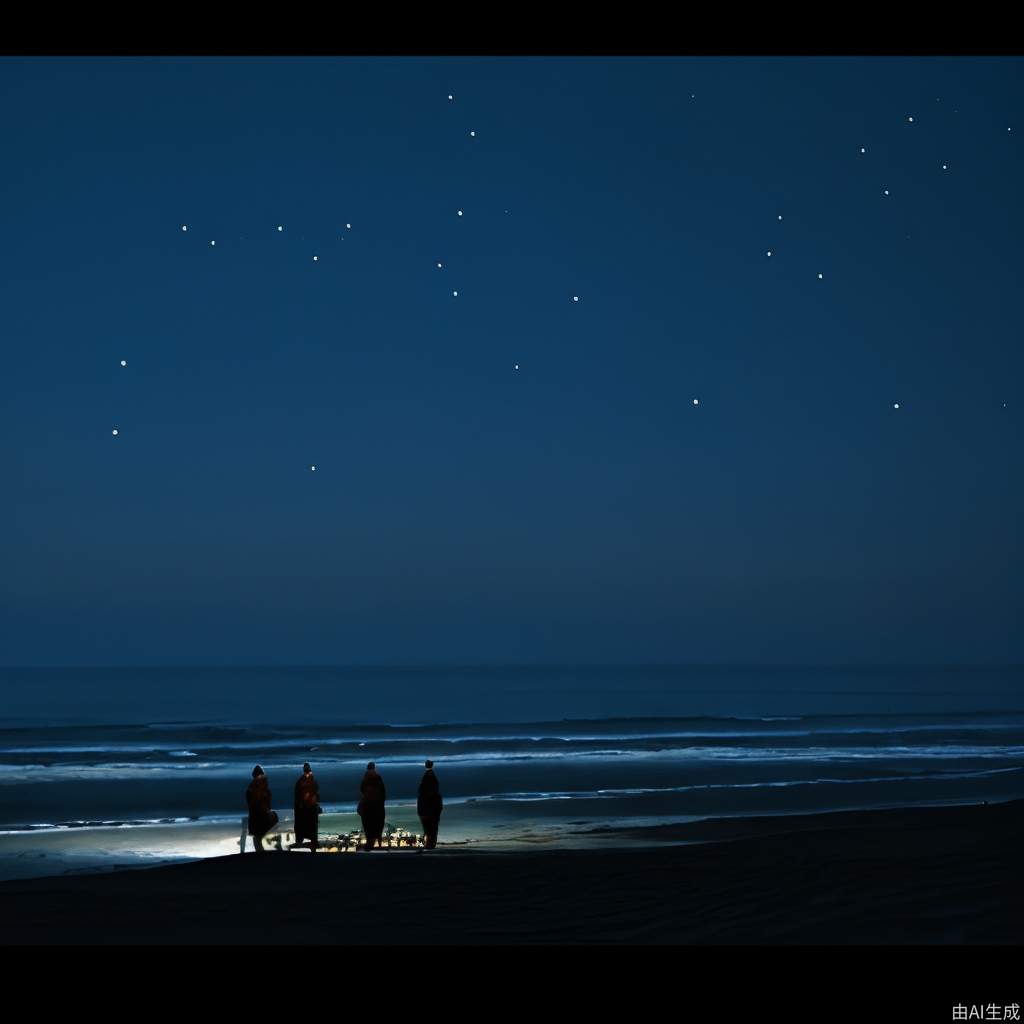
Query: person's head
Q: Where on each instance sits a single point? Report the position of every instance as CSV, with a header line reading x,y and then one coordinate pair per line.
x,y
430,766
371,767
257,772
306,770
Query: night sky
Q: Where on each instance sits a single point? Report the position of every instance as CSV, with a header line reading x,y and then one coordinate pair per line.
x,y
580,507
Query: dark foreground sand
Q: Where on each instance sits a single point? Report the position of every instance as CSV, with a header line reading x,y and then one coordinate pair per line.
x,y
926,875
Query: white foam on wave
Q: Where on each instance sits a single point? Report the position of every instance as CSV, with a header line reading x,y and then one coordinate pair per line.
x,y
605,794
91,825
322,743
15,774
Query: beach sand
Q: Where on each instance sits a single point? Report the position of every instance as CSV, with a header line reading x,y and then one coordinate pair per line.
x,y
919,875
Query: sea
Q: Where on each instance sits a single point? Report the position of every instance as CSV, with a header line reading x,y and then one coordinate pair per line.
x,y
116,768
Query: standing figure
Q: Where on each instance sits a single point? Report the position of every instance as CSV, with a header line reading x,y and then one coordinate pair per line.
x,y
371,807
429,805
261,818
307,807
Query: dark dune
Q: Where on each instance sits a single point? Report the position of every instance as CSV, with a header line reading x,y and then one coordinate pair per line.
x,y
922,875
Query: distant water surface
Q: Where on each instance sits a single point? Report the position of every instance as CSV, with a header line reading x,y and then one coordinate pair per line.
x,y
90,756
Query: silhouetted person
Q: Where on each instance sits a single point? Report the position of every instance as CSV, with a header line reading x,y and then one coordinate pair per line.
x,y
371,807
307,807
429,805
261,818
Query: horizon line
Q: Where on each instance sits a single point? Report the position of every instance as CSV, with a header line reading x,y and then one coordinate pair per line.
x,y
521,664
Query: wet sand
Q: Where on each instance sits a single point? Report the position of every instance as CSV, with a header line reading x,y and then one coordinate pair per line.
x,y
919,875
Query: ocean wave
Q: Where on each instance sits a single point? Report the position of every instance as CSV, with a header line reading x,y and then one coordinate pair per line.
x,y
11,774
326,747
231,821
606,794
65,826
16,774
243,735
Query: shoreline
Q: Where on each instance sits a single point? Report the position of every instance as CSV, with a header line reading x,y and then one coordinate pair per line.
x,y
947,874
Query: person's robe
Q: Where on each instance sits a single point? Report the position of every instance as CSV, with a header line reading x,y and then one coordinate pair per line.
x,y
307,808
428,800
429,806
371,807
257,796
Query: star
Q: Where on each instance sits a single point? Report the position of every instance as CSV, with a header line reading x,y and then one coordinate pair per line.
x,y
312,469
1009,129
575,298
439,266
124,362
280,227
820,276
455,294
885,191
450,97
696,401
114,432
472,135
943,166
910,119
213,243
316,259
862,149
895,405
348,227
516,367
184,227
768,253
460,213
780,216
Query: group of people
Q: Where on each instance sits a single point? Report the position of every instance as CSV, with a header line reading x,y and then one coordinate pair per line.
x,y
262,818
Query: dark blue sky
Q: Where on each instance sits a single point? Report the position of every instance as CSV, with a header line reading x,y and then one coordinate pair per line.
x,y
580,507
